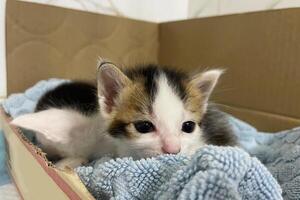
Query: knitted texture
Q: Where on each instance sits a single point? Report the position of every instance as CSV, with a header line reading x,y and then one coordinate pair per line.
x,y
279,152
211,173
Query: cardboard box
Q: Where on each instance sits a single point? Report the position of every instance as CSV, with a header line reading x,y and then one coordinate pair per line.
x,y
259,50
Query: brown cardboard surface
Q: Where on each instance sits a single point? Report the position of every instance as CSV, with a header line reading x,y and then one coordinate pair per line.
x,y
259,50
46,41
261,120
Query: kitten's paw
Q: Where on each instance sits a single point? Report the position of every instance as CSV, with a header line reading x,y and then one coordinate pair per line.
x,y
70,162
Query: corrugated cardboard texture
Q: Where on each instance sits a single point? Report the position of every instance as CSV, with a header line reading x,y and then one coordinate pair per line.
x,y
260,52
45,41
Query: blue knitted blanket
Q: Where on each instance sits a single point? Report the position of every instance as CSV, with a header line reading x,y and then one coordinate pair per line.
x,y
211,173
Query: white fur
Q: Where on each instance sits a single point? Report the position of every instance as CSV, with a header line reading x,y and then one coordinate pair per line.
x,y
168,113
68,133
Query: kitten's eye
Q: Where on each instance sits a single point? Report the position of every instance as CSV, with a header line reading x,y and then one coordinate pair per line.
x,y
144,126
188,126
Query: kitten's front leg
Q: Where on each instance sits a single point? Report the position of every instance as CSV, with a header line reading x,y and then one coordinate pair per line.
x,y
71,162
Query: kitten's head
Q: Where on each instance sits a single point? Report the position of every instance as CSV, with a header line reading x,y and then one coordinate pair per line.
x,y
152,110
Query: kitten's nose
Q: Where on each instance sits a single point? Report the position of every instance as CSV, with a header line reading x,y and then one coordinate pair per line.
x,y
171,145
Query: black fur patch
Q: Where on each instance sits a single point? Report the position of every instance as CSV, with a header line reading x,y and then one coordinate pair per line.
x,y
175,79
80,96
151,72
118,129
216,128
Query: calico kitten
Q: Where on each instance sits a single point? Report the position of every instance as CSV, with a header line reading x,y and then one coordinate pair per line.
x,y
140,112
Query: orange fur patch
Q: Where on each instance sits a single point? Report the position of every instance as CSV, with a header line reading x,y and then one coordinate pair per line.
x,y
194,101
133,105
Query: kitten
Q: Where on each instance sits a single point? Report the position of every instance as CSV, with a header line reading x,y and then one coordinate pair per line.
x,y
140,112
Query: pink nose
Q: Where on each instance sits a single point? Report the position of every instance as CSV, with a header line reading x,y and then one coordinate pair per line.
x,y
171,146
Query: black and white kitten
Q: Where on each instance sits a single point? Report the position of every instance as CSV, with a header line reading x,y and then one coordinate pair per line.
x,y
140,112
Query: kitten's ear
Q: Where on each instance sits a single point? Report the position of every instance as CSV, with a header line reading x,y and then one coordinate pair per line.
x,y
111,81
55,125
206,82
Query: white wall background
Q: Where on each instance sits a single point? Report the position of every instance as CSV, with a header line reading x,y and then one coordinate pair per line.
x,y
150,10
169,10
